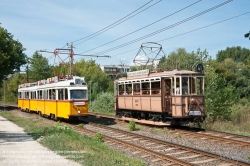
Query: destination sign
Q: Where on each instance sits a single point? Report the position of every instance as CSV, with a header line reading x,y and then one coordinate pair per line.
x,y
136,73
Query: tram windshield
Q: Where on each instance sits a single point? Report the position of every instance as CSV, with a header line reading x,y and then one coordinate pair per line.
x,y
78,94
189,86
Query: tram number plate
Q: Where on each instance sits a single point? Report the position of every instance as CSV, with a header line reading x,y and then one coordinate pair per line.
x,y
79,103
194,112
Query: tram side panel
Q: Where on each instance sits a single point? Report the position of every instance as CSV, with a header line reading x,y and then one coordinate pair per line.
x,y
63,109
33,105
40,106
50,107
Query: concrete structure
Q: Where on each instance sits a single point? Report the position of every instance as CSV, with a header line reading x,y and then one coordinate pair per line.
x,y
18,148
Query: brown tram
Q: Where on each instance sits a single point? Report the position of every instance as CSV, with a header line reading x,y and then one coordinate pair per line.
x,y
161,98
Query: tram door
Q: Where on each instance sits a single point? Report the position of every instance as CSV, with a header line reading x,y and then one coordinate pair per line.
x,y
166,88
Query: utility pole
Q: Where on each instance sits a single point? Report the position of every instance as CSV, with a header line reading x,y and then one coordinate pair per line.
x,y
71,54
4,94
27,73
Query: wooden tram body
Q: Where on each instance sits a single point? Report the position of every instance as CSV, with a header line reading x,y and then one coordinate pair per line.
x,y
170,97
55,98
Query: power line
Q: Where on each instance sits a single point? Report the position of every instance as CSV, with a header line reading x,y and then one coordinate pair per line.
x,y
188,32
163,29
144,26
116,23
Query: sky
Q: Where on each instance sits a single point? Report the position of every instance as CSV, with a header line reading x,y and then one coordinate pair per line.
x,y
51,24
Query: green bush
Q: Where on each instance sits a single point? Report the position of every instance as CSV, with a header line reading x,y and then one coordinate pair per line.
x,y
99,137
131,125
103,103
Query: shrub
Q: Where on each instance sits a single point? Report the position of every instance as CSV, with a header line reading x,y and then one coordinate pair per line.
x,y
103,103
131,126
80,125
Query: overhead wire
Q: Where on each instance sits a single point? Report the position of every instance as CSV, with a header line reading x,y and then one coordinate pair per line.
x,y
144,26
163,29
116,23
197,29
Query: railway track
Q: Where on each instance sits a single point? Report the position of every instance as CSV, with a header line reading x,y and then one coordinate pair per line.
x,y
210,135
158,152
176,152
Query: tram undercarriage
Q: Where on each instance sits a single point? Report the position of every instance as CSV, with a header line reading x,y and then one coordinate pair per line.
x,y
164,118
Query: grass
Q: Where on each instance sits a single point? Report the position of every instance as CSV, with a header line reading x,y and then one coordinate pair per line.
x,y
239,120
67,142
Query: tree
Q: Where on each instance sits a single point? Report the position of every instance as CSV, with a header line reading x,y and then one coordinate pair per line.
x,y
181,59
11,88
238,54
11,54
162,63
219,97
91,71
39,67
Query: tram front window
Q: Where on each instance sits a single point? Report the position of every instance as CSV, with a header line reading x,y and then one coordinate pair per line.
x,y
78,94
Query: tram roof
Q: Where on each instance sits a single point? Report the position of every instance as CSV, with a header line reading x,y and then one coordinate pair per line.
x,y
45,84
163,74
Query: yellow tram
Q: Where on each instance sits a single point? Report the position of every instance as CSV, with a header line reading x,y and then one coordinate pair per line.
x,y
159,98
65,98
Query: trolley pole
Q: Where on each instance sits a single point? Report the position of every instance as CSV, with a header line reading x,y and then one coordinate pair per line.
x,y
71,59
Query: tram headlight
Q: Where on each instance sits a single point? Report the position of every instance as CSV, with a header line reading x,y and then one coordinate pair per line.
x,y
78,111
193,101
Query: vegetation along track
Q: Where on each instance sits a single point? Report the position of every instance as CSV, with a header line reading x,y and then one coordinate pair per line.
x,y
210,135
157,152
185,154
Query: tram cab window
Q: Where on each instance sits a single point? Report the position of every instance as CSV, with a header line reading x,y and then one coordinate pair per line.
x,y
136,89
192,85
155,88
177,90
78,94
199,85
184,82
19,95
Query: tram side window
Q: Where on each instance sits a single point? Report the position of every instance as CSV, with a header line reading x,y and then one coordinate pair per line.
x,y
121,89
145,88
128,89
40,94
66,94
26,95
155,88
60,94
52,94
19,95
44,94
136,89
